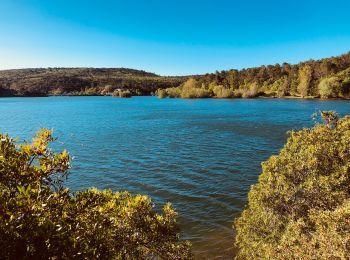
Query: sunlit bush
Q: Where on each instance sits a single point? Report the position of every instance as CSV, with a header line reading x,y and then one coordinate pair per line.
x,y
300,208
222,92
330,87
194,93
107,90
122,93
40,219
192,89
161,93
250,91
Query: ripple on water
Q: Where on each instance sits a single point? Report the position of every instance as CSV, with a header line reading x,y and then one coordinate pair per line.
x,y
201,155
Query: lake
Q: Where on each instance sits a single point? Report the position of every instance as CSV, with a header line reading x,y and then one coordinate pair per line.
x,y
202,155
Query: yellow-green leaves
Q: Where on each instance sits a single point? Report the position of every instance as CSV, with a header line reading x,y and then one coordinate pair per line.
x,y
300,207
39,219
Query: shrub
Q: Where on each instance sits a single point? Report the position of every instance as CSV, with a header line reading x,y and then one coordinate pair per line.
x,y
190,83
222,92
251,92
122,93
161,93
107,90
237,93
40,219
91,92
305,78
330,87
346,87
56,92
300,208
194,93
191,89
173,92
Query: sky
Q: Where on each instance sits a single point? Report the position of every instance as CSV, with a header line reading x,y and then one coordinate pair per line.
x,y
170,37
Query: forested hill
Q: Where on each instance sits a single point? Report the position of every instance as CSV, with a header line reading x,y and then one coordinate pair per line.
x,y
327,78
81,81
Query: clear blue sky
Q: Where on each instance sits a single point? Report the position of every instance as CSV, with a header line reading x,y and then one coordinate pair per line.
x,y
170,37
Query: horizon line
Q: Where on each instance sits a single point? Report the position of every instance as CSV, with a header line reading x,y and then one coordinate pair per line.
x,y
186,75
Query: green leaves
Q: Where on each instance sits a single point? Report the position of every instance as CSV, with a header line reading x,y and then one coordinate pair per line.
x,y
40,219
299,208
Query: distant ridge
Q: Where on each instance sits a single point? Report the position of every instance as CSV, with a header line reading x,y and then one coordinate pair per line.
x,y
80,81
299,79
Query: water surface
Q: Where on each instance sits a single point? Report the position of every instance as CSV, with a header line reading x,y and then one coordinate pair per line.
x,y
201,155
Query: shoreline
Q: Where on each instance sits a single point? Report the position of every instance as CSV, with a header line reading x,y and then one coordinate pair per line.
x,y
259,97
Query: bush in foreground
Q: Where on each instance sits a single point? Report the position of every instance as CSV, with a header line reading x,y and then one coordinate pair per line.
x,y
39,219
300,208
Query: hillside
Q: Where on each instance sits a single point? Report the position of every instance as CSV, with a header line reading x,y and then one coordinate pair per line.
x,y
81,81
296,80
327,78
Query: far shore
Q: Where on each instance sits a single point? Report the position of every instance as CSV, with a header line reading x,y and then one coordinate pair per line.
x,y
258,97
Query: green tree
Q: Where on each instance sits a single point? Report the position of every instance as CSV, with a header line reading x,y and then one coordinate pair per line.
x,y
330,87
222,92
122,93
161,93
40,219
251,91
305,77
232,78
173,92
190,83
300,208
107,90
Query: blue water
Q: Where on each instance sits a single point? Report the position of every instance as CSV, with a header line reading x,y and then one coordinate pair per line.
x,y
201,155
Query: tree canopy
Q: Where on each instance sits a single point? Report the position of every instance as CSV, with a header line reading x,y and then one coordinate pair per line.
x,y
300,207
278,80
306,79
40,219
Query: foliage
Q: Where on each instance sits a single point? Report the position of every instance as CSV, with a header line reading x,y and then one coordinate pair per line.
x,y
161,93
330,87
222,92
40,219
194,93
336,85
122,93
282,79
305,77
173,92
82,81
277,80
300,207
107,90
189,89
251,91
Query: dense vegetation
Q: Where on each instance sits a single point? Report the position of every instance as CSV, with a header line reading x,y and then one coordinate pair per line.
x,y
300,208
325,78
81,81
40,219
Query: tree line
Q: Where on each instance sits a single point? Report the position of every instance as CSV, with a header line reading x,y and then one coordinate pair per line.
x,y
81,81
325,78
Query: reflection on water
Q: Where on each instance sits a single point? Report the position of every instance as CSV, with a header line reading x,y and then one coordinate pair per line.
x,y
201,155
